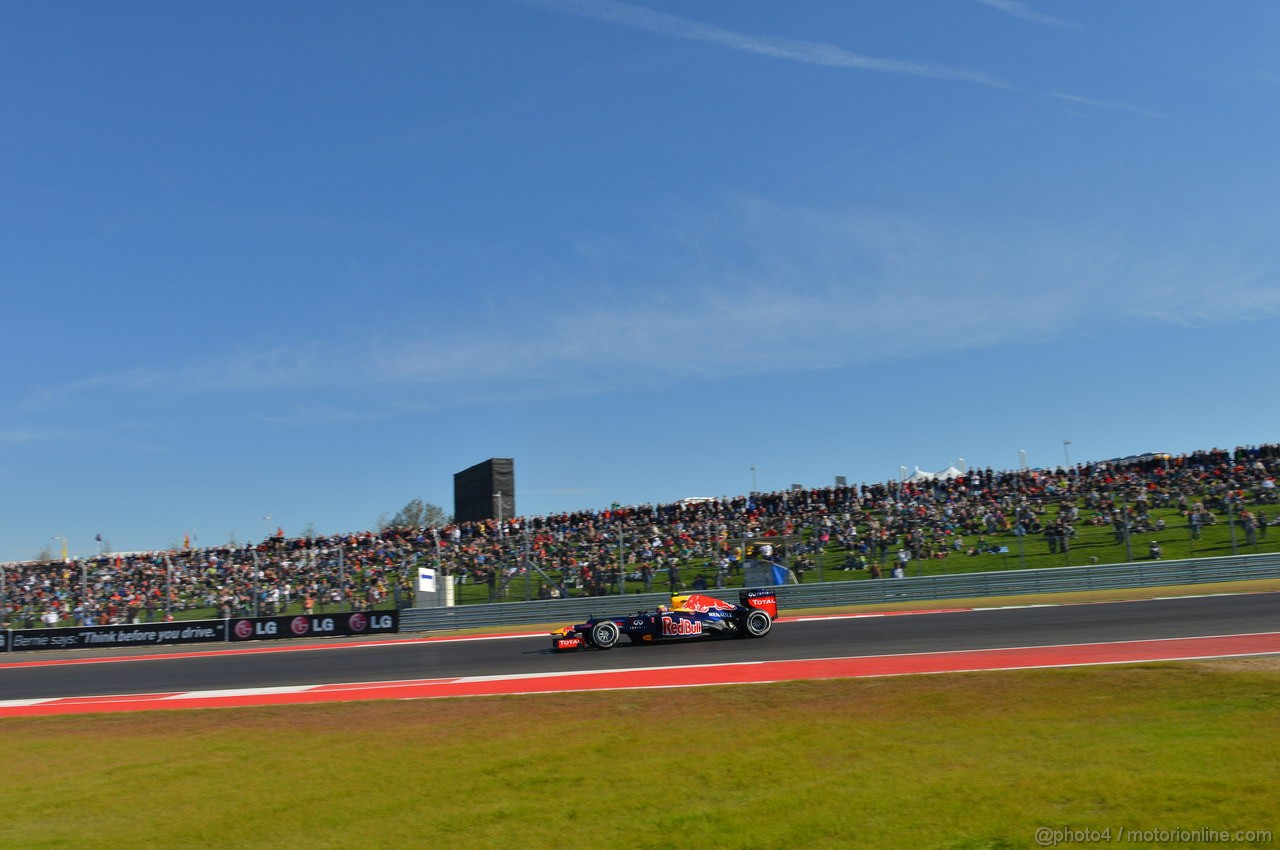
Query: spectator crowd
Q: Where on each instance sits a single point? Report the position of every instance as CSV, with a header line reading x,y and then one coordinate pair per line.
x,y
591,552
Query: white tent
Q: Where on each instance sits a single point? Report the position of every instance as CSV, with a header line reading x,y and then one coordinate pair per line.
x,y
945,475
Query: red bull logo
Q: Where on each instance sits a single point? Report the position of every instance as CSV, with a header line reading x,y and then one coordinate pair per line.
x,y
680,627
702,604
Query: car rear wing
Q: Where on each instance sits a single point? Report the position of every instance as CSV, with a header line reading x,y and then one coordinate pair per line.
x,y
765,600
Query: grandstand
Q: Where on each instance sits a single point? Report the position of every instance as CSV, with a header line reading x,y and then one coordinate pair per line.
x,y
1204,503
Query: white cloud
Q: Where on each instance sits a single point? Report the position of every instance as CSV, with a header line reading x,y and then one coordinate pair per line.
x,y
816,52
754,289
1265,77
809,52
35,434
1105,104
1021,10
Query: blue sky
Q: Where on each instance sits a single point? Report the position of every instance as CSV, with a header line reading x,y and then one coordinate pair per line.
x,y
308,260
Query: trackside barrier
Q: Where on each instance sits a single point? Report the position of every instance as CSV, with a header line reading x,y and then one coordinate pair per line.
x,y
869,591
352,624
102,637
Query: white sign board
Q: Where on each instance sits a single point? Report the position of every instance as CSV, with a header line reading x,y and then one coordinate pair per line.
x,y
427,579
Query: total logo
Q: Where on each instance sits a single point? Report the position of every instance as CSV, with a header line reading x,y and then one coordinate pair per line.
x,y
680,628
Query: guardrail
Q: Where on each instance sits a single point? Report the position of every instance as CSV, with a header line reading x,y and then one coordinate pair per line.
x,y
870,591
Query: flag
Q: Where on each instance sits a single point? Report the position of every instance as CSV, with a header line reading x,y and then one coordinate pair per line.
x,y
98,538
186,540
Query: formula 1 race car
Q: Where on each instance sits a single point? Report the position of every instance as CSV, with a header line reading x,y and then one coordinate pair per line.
x,y
693,616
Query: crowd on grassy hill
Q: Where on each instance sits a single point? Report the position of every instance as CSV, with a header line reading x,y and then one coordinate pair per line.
x,y
870,525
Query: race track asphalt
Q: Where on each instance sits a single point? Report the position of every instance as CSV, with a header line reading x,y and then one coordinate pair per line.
x,y
232,667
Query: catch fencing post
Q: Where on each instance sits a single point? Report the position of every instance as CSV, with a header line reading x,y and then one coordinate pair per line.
x,y
342,577
168,585
255,582
1231,522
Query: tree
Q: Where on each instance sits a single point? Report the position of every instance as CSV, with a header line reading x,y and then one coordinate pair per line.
x,y
416,514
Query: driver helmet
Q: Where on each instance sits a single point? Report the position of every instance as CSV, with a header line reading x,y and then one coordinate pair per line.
x,y
662,609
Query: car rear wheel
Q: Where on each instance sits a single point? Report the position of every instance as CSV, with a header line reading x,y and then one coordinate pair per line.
x,y
757,623
604,634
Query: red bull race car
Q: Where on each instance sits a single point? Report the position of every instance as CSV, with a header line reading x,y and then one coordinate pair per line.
x,y
691,616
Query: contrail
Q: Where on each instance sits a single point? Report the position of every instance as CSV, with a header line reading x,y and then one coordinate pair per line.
x,y
815,52
1020,10
809,52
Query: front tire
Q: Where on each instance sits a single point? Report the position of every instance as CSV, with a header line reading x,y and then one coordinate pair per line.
x,y
604,634
757,623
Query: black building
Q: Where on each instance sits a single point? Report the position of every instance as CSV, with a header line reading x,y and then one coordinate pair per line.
x,y
485,491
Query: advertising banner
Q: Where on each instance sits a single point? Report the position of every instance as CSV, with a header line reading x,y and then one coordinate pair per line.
x,y
134,634
314,625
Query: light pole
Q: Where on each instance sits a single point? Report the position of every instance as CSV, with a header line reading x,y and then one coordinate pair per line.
x,y
622,556
255,582
499,561
1231,521
1066,454
342,576
753,479
84,572
257,569
817,548
168,586
446,577
1124,525
528,572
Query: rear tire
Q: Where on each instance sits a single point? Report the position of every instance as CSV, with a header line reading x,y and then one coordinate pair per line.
x,y
604,634
756,623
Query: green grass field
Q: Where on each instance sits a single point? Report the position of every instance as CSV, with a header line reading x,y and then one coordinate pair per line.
x,y
958,761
